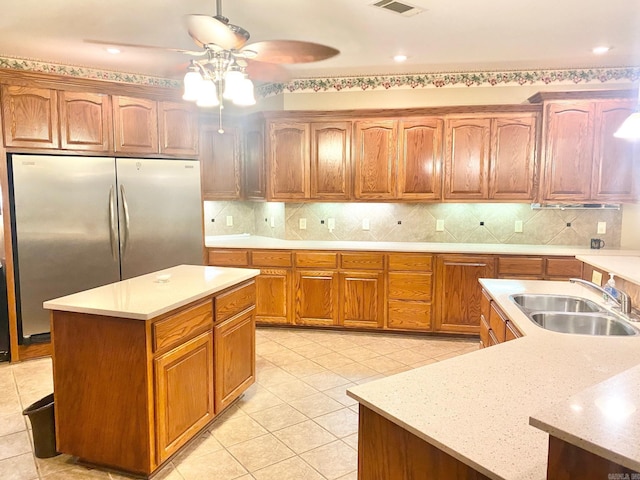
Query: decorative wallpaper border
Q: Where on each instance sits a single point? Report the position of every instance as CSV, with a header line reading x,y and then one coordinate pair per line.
x,y
425,80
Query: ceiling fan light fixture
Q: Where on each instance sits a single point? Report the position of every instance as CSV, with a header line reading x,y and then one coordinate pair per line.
x,y
193,83
232,84
244,95
208,94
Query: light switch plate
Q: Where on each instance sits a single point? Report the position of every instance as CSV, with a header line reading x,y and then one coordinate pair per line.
x,y
365,224
229,220
273,222
439,225
596,277
518,226
331,223
302,223
602,227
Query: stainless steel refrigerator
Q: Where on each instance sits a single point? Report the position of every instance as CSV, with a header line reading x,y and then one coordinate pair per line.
x,y
82,222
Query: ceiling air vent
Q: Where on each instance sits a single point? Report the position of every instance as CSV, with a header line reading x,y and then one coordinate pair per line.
x,y
400,8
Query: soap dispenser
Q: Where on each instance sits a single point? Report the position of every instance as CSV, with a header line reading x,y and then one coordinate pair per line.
x,y
610,288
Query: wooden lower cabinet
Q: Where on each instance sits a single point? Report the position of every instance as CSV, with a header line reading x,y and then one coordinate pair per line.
x,y
184,388
458,293
316,297
495,326
235,353
362,299
410,291
273,287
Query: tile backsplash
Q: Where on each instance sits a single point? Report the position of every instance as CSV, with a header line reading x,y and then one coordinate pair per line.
x,y
415,222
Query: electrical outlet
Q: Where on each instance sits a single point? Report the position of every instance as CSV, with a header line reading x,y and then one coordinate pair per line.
x,y
602,227
302,223
439,225
229,220
365,224
331,223
518,226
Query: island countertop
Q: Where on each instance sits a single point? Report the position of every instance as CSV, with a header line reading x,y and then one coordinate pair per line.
x,y
147,296
477,407
626,267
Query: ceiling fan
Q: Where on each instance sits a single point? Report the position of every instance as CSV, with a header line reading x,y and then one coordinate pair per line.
x,y
228,63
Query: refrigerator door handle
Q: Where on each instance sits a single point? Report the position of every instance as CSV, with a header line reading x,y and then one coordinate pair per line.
x,y
125,208
112,224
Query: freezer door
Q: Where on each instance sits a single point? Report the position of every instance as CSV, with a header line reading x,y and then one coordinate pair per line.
x,y
65,235
160,214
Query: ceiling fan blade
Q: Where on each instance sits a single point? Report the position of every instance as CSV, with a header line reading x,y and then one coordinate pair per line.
x,y
206,30
266,72
149,47
290,51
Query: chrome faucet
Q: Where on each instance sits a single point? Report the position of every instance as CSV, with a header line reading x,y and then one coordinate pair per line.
x,y
624,302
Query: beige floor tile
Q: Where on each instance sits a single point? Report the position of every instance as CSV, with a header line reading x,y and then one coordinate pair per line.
x,y
218,465
358,353
14,444
260,452
293,468
292,390
47,466
21,467
382,364
316,405
78,472
12,423
422,363
258,398
333,460
268,347
337,344
234,411
236,430
283,357
278,417
354,371
340,423
203,444
262,363
407,357
297,341
325,380
10,402
339,394
331,360
304,436
303,368
273,376
382,347
168,472
350,476
352,441
312,350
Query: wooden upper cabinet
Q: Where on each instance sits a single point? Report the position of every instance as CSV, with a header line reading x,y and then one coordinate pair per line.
x,y
136,125
254,178
568,150
376,145
85,121
178,128
30,117
613,176
512,159
420,159
219,163
330,160
288,160
467,158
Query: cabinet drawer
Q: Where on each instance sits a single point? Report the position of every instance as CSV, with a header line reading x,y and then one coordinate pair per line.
x,y
409,315
410,262
317,259
268,258
512,332
235,301
362,261
498,324
564,267
410,286
175,329
235,258
484,331
520,266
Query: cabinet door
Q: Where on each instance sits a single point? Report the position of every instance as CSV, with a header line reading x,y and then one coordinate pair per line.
x,y
316,297
254,180
183,393
289,160
85,121
376,145
362,299
273,292
30,117
467,158
568,150
235,357
136,125
178,128
330,160
458,292
219,163
420,159
613,177
512,165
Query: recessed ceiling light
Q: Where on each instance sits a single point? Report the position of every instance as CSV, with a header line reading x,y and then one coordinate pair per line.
x,y
400,58
600,50
113,50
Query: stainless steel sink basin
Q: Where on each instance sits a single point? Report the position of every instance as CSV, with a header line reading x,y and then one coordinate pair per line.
x,y
555,303
583,323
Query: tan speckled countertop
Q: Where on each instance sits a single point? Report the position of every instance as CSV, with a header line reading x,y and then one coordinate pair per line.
x,y
627,267
254,241
477,406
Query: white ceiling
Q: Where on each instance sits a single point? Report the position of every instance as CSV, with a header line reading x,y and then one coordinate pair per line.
x,y
450,35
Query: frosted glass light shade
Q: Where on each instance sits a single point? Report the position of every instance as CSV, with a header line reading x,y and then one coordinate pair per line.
x,y
630,128
232,84
244,96
208,95
192,86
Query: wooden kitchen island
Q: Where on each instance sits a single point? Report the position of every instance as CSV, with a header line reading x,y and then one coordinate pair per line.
x,y
141,366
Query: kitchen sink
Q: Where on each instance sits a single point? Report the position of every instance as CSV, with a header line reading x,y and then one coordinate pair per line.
x,y
555,303
583,323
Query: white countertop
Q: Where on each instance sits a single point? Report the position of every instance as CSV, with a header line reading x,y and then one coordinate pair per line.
x,y
255,241
477,406
146,297
626,267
